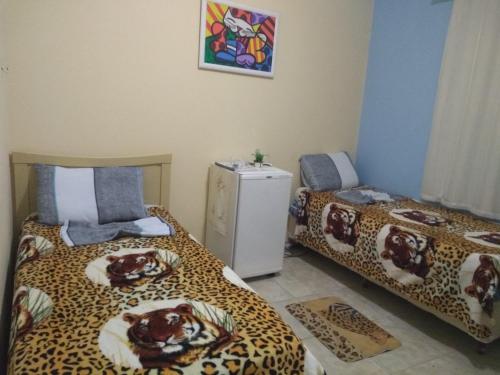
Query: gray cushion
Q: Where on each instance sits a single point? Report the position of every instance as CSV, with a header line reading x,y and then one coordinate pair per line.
x,y
46,199
119,194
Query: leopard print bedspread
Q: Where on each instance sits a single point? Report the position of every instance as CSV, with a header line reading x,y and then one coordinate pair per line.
x,y
139,305
441,260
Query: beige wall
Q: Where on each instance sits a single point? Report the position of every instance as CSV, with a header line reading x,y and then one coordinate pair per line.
x,y
103,77
5,205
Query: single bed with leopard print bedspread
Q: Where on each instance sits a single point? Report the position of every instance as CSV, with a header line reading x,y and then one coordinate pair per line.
x,y
161,305
444,261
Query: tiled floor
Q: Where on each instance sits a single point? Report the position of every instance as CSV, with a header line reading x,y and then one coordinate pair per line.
x,y
429,345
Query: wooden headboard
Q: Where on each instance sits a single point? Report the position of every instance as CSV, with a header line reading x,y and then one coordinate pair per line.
x,y
156,177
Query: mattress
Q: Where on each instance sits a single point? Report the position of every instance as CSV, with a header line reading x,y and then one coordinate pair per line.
x,y
443,261
137,304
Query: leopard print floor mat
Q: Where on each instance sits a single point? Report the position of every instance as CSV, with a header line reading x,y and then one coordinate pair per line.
x,y
342,329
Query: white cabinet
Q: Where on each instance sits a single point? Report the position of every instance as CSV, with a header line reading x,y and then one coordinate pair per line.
x,y
246,218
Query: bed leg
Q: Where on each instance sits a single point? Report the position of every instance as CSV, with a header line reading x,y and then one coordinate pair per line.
x,y
290,242
366,283
481,347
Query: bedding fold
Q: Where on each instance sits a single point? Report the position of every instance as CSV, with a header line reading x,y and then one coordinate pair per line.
x,y
76,233
366,196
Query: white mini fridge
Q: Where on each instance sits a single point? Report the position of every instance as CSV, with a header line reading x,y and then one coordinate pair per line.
x,y
247,216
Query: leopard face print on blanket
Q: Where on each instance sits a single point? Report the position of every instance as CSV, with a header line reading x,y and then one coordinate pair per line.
x,y
112,309
443,261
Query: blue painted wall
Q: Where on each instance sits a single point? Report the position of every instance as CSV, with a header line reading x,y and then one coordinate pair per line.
x,y
404,60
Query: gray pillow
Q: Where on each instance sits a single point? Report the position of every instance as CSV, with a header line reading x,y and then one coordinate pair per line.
x,y
322,172
92,195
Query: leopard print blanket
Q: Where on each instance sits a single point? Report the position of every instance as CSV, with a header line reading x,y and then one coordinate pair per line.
x,y
441,260
158,305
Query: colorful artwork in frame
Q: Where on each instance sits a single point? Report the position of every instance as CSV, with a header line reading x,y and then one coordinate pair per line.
x,y
236,38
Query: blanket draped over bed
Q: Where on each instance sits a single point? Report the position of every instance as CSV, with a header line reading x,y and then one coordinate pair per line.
x,y
446,262
78,233
140,305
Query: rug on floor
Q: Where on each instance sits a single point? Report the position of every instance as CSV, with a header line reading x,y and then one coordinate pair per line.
x,y
342,329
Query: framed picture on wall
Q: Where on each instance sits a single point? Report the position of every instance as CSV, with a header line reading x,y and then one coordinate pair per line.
x,y
236,38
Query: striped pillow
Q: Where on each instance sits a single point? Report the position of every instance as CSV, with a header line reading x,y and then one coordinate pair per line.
x,y
322,172
92,195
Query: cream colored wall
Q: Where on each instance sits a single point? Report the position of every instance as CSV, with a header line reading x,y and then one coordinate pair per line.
x,y
103,77
5,198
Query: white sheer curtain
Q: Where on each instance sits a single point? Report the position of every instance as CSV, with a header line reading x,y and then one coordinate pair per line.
x,y
463,160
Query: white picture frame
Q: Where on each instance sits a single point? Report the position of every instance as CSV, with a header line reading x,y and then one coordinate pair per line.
x,y
242,41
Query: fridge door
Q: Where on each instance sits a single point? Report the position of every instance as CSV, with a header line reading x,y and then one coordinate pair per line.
x,y
261,225
263,173
221,213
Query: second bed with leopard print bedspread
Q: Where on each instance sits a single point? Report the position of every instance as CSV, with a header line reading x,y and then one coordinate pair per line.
x,y
445,262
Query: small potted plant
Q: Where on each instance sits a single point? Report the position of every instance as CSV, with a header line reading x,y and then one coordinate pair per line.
x,y
258,158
